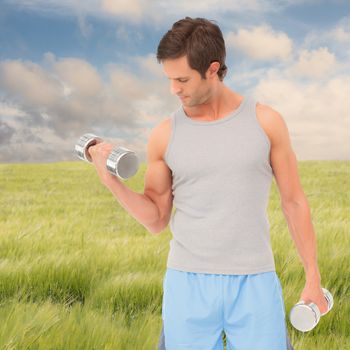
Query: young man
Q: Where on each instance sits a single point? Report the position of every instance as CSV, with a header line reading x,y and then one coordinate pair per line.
x,y
214,159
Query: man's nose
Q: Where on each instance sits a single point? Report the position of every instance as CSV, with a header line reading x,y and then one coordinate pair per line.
x,y
175,88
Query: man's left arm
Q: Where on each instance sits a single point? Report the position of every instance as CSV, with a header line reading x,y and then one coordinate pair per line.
x,y
294,202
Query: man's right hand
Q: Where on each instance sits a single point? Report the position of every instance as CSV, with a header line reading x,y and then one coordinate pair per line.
x,y
99,154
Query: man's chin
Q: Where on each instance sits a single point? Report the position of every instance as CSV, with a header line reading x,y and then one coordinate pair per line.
x,y
187,102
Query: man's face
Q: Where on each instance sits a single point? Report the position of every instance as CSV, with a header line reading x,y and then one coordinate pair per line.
x,y
186,82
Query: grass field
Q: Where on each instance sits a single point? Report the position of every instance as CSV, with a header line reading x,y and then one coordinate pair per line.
x,y
78,272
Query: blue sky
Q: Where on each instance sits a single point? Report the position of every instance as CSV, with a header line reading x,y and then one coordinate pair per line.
x,y
70,67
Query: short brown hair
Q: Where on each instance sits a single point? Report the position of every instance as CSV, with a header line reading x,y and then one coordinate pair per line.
x,y
198,38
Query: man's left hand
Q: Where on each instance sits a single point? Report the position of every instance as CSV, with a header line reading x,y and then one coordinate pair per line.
x,y
313,292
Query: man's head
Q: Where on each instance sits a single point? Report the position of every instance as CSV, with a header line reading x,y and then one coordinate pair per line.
x,y
193,55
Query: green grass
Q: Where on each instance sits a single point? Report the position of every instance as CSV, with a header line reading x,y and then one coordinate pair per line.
x,y
78,272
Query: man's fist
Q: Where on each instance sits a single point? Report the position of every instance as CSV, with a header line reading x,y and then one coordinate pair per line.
x,y
99,154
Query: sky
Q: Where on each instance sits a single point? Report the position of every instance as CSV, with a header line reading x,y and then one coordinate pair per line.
x,y
69,67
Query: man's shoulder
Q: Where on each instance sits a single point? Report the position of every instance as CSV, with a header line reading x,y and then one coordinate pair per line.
x,y
160,135
266,111
163,125
271,120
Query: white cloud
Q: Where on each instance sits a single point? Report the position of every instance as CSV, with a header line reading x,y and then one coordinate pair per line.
x,y
35,144
9,110
315,63
261,43
335,36
339,34
67,97
78,76
131,9
133,101
149,65
316,112
29,82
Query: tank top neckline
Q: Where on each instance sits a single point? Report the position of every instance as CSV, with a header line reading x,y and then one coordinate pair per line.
x,y
218,121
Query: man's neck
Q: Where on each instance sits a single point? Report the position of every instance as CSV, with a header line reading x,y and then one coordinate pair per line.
x,y
217,107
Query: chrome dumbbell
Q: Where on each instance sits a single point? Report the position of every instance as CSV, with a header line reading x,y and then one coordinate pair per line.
x,y
305,317
121,162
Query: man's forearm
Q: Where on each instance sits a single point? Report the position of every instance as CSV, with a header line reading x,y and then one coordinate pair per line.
x,y
138,205
298,218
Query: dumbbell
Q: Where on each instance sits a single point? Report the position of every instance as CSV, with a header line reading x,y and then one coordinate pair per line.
x,y
305,317
121,162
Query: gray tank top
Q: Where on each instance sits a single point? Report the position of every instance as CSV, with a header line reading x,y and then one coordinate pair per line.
x,y
221,183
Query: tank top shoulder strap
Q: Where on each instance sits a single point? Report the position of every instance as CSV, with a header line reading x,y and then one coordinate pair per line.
x,y
250,106
176,116
254,119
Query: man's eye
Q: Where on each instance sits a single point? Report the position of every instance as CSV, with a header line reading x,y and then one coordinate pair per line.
x,y
183,81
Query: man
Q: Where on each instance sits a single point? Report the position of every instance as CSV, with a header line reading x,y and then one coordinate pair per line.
x,y
214,159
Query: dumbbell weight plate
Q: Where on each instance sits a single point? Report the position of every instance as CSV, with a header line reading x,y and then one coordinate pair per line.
x,y
304,317
122,162
81,147
330,301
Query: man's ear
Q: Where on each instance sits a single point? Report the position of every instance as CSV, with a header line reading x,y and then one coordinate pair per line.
x,y
213,69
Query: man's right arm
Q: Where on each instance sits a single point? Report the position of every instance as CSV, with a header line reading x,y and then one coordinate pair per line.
x,y
153,207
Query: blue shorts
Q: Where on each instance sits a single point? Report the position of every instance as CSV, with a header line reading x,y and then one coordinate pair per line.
x,y
198,307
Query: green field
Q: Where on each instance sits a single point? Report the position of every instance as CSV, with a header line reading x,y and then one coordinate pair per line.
x,y
78,272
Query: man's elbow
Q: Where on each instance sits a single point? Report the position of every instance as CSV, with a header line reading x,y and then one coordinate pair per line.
x,y
297,201
156,228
